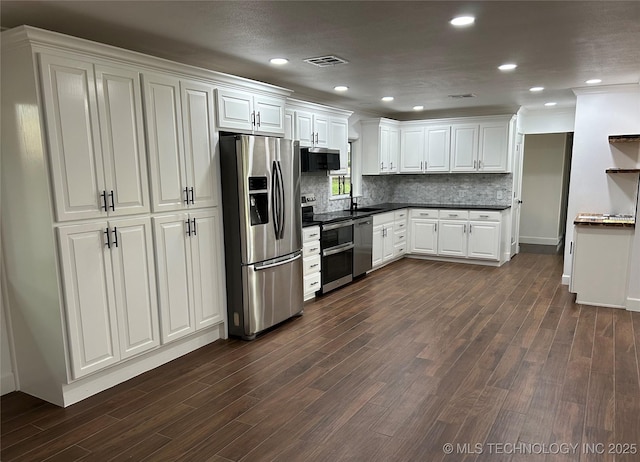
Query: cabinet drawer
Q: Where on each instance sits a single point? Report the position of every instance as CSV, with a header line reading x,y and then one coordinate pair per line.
x,y
400,237
311,283
399,249
400,225
311,233
400,215
382,218
484,215
310,248
424,213
311,265
454,214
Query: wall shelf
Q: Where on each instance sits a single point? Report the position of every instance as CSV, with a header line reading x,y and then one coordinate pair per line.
x,y
623,170
624,138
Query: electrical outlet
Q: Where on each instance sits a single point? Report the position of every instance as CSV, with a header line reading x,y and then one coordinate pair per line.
x,y
499,195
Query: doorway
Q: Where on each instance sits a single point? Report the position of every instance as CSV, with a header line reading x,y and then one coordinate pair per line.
x,y
546,164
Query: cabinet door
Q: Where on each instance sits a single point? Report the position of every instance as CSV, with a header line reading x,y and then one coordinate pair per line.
x,y
200,141
377,246
175,290
424,236
289,124
321,127
464,147
388,251
394,149
166,147
269,115
135,285
304,129
452,238
89,298
234,110
412,150
123,142
383,149
484,240
207,260
339,139
438,140
68,89
493,153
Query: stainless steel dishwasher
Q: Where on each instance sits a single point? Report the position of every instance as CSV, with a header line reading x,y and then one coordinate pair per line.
x,y
363,243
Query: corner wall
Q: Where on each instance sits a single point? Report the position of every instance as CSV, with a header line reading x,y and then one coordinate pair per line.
x,y
600,112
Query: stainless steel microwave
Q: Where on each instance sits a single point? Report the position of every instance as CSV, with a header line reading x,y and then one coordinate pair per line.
x,y
319,159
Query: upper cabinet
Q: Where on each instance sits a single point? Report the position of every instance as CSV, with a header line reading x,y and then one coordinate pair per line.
x,y
96,138
242,111
478,144
317,126
182,143
380,146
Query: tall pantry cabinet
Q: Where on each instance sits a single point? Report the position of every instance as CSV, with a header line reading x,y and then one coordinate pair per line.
x,y
101,149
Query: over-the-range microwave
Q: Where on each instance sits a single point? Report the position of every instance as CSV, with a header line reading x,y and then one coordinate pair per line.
x,y
319,159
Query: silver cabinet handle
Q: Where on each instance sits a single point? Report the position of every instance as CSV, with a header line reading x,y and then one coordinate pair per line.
x,y
258,119
422,214
313,266
381,165
315,283
391,167
421,165
484,216
253,118
313,235
465,229
480,164
453,214
475,164
435,228
313,249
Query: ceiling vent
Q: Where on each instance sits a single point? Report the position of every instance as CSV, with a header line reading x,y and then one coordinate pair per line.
x,y
465,95
324,61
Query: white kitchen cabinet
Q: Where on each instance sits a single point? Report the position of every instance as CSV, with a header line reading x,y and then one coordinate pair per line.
x,y
380,146
494,146
383,249
437,148
400,232
111,306
452,238
311,261
190,282
96,138
464,147
316,125
484,240
289,124
182,143
412,153
424,236
245,112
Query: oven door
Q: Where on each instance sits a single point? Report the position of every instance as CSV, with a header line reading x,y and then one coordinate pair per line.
x,y
337,234
337,267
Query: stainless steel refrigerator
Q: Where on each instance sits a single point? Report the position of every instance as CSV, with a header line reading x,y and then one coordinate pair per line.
x,y
262,231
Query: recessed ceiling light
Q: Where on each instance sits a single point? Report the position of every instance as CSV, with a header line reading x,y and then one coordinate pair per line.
x,y
386,99
418,108
534,89
461,21
592,81
551,103
341,88
279,61
507,67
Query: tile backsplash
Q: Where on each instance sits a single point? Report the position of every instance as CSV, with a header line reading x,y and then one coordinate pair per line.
x,y
458,188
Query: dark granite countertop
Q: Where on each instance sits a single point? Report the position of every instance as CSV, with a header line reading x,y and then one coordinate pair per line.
x,y
328,217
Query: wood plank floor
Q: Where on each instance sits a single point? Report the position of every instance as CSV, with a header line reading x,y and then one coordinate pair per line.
x,y
390,368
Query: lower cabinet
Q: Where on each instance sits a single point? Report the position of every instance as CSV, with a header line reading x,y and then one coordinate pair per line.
x,y
311,261
383,249
189,258
424,236
484,240
110,291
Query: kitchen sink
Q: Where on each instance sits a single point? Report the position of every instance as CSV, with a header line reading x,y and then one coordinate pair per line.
x,y
364,209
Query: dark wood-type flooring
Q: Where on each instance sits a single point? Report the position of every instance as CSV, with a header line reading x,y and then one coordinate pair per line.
x,y
390,368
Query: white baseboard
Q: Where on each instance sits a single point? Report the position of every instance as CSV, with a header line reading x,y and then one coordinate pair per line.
x,y
7,383
633,304
566,279
539,240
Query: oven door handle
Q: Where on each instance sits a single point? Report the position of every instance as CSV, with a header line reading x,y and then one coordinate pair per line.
x,y
337,249
340,224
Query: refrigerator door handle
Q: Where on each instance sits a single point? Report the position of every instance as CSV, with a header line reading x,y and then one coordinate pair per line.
x,y
278,263
275,213
282,203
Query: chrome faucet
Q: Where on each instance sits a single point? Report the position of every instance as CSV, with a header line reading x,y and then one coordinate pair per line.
x,y
353,202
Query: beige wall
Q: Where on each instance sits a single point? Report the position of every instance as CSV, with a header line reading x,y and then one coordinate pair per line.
x,y
543,176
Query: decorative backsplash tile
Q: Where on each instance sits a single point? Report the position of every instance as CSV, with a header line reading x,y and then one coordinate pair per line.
x,y
458,188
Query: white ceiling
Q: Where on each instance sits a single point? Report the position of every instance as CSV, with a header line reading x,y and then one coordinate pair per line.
x,y
404,49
